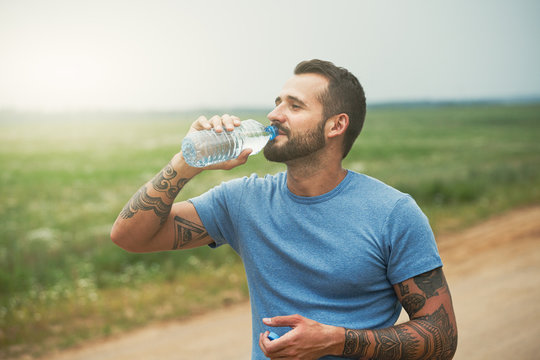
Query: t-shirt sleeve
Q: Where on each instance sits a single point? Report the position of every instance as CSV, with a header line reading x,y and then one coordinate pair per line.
x,y
410,243
217,208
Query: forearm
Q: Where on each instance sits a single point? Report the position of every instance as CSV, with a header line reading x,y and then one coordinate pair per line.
x,y
429,337
430,334
149,208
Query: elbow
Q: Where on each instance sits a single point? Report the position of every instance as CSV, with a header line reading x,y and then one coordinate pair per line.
x,y
451,346
441,338
119,239
123,240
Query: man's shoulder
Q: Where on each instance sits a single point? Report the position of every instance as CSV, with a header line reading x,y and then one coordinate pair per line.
x,y
374,187
377,196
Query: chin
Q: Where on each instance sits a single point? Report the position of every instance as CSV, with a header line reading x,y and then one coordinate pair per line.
x,y
271,153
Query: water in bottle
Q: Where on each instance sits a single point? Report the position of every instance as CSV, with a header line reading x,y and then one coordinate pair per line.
x,y
207,147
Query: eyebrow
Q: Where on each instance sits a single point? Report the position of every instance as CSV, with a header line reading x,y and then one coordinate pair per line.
x,y
291,99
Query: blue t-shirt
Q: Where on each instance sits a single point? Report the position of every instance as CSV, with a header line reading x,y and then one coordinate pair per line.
x,y
332,258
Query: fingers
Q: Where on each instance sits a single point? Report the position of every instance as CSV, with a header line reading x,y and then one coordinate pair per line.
x,y
216,122
226,121
263,340
222,123
308,339
288,320
273,348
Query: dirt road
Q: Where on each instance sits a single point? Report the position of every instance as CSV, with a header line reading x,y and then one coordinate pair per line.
x,y
493,270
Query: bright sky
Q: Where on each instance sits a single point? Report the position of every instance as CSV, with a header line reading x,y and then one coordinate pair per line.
x,y
173,55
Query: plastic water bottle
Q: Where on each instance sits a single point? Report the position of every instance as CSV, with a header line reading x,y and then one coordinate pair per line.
x,y
207,147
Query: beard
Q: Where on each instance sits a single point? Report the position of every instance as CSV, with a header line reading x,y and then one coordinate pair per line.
x,y
296,147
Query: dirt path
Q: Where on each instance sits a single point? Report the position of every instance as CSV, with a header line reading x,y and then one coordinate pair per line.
x,y
494,274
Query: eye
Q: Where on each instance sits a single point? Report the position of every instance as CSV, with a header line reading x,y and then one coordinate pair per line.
x,y
295,106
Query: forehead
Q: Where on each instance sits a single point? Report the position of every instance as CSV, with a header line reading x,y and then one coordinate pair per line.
x,y
306,87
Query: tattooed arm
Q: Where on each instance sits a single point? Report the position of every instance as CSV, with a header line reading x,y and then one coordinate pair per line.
x,y
431,332
151,221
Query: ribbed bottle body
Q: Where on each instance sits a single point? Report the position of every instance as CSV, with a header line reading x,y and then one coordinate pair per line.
x,y
207,147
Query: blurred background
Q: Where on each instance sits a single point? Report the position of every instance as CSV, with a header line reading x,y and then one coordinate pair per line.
x,y
95,97
171,55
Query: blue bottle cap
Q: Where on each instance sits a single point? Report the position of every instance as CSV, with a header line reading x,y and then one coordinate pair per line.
x,y
272,130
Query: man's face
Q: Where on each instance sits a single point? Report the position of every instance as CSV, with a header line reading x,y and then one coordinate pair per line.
x,y
298,115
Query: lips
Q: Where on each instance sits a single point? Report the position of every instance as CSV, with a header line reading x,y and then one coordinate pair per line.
x,y
281,130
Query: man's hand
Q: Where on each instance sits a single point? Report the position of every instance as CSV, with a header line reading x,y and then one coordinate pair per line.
x,y
308,339
220,124
216,122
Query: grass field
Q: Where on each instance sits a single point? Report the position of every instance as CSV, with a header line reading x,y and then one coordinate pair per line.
x,y
64,179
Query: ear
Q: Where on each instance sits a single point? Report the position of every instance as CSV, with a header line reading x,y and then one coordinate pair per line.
x,y
337,125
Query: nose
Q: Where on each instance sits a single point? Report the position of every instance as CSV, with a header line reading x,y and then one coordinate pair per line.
x,y
276,115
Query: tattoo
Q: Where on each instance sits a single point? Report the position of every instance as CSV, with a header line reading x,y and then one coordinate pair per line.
x,y
186,231
403,289
430,282
409,343
142,201
413,303
429,337
162,182
356,343
439,335
432,336
394,343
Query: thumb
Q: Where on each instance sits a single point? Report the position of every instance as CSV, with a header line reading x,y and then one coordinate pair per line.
x,y
288,320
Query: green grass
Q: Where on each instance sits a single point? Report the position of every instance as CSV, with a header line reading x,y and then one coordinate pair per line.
x,y
461,164
64,179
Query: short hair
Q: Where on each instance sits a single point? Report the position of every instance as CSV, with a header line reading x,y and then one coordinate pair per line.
x,y
344,94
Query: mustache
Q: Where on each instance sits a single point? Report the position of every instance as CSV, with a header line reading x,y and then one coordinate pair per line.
x,y
281,128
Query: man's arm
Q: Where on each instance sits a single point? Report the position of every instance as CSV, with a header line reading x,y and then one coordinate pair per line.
x,y
431,332
151,221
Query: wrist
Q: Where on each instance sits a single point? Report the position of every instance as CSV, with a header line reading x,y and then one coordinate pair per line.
x,y
336,337
180,164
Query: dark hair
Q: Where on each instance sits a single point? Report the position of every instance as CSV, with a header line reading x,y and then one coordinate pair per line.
x,y
344,94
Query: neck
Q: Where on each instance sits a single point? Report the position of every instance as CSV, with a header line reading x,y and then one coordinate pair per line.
x,y
314,176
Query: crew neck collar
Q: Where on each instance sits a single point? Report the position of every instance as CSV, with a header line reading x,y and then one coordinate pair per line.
x,y
319,198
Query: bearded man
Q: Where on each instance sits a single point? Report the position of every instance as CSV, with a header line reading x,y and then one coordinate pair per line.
x,y
331,255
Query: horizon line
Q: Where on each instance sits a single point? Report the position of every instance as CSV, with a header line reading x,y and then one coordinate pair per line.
x,y
533,99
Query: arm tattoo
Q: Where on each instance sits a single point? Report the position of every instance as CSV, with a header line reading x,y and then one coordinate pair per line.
x,y
403,289
390,343
394,343
163,182
142,201
430,282
439,335
356,343
429,337
413,303
186,231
